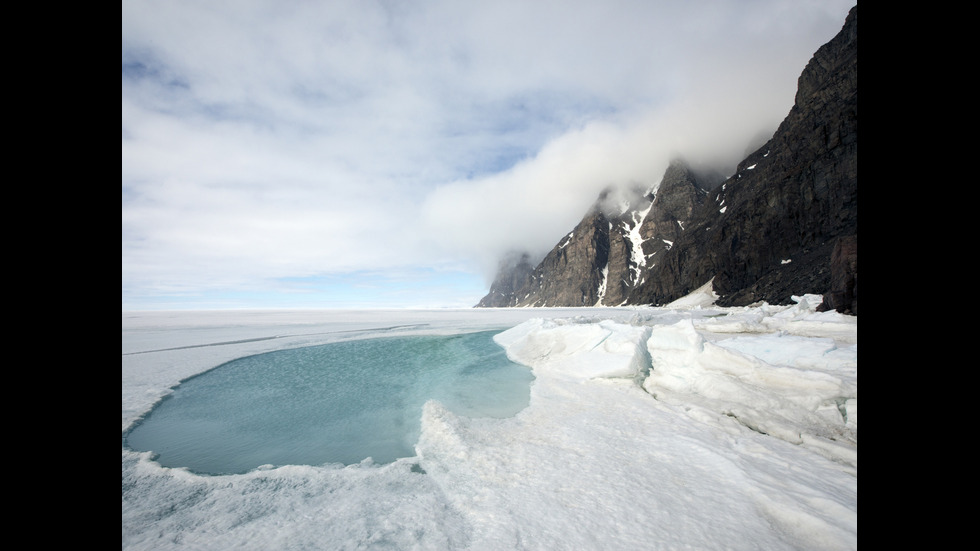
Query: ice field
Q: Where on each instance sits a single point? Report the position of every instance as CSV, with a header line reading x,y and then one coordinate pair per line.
x,y
689,427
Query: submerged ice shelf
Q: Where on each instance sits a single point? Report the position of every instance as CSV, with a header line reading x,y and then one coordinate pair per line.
x,y
647,428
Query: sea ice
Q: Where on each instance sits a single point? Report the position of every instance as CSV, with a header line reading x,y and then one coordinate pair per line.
x,y
648,428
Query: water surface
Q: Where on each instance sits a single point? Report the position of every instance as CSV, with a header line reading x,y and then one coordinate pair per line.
x,y
334,403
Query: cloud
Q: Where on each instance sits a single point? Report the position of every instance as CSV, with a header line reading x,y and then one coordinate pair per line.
x,y
266,141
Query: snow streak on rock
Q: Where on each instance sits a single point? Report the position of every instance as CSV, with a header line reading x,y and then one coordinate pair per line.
x,y
637,259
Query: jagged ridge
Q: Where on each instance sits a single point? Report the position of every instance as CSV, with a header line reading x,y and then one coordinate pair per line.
x,y
765,234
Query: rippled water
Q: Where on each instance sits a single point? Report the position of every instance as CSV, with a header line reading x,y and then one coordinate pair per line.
x,y
335,403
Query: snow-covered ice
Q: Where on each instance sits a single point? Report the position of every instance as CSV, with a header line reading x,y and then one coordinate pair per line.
x,y
685,427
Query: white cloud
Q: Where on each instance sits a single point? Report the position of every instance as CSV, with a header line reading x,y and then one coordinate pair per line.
x,y
266,140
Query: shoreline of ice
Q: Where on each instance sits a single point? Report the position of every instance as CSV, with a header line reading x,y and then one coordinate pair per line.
x,y
648,428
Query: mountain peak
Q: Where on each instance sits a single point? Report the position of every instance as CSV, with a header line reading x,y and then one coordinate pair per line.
x,y
764,234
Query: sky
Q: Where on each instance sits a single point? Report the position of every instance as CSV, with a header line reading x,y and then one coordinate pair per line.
x,y
368,154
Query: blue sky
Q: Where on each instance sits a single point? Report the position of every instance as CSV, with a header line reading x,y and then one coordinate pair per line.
x,y
357,153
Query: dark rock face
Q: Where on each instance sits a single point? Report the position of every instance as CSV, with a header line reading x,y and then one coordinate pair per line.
x,y
843,277
513,274
778,227
768,232
679,195
570,275
607,255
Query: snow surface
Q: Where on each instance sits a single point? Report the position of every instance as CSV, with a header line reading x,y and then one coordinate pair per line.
x,y
685,427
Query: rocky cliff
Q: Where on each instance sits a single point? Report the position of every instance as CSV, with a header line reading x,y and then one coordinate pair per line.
x,y
606,257
784,224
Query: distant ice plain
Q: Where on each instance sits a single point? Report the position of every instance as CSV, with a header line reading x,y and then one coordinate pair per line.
x,y
721,449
